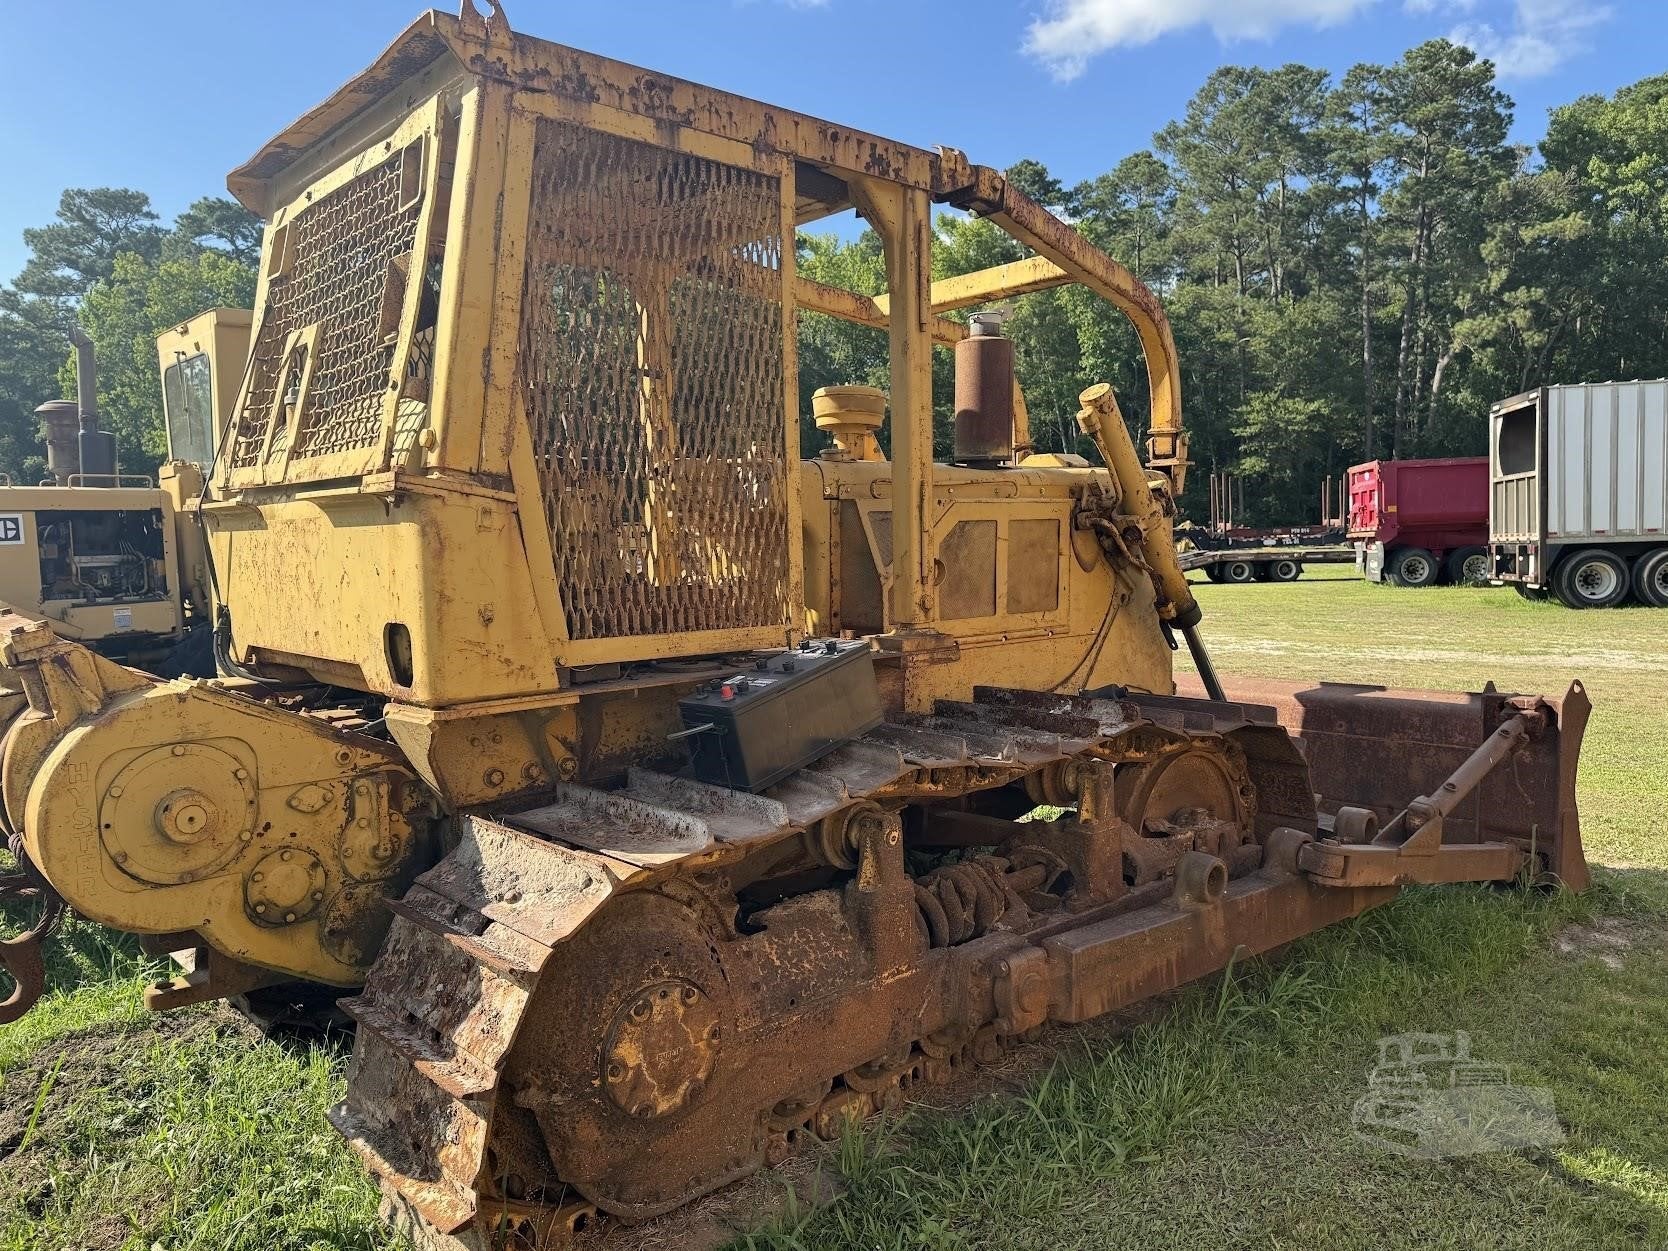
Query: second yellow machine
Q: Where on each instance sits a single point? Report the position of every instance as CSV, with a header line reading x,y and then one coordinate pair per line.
x,y
661,790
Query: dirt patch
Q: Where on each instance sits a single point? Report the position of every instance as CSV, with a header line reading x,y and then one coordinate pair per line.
x,y
75,1090
1605,939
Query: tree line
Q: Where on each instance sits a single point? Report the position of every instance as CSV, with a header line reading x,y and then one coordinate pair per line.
x,y
109,263
1355,267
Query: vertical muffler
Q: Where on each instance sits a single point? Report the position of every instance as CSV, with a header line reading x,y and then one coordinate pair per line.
x,y
96,448
985,394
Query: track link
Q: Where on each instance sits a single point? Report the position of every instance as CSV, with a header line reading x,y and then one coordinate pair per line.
x,y
448,999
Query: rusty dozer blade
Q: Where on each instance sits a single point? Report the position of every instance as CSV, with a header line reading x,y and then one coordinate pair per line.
x,y
1371,748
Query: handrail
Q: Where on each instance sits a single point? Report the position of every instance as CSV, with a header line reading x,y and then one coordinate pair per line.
x,y
109,480
986,193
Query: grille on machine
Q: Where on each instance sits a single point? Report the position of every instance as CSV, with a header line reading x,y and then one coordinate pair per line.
x,y
652,342
337,278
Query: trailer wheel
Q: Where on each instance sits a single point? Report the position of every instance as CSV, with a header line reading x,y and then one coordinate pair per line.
x,y
1237,571
1213,572
1413,566
1590,579
1534,594
1650,578
1284,570
1468,566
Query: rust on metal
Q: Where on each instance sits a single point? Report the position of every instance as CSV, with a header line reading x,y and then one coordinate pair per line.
x,y
514,470
984,395
21,957
650,357
1529,806
672,1041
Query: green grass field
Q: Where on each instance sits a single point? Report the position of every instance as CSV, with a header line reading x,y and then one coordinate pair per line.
x,y
1220,1119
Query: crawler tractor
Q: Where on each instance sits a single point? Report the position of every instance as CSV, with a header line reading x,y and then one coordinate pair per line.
x,y
510,538
112,560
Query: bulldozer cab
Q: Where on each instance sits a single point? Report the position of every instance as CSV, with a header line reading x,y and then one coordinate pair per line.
x,y
524,359
201,361
96,562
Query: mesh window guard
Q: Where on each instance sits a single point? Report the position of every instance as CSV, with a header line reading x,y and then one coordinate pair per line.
x,y
651,363
344,248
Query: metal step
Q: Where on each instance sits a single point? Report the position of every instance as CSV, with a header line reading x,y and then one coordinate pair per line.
x,y
731,816
928,749
617,826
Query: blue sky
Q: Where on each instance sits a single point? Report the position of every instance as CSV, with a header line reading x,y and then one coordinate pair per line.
x,y
167,98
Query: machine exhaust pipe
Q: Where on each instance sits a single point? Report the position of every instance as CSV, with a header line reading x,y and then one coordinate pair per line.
x,y
985,395
96,448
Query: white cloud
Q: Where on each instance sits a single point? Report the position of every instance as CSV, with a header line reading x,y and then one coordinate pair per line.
x,y
1524,38
1420,7
1541,35
1073,31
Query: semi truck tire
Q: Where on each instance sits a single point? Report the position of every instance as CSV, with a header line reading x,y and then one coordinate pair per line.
x,y
1413,566
1467,566
1590,578
1650,578
1535,594
1213,572
1284,570
1237,571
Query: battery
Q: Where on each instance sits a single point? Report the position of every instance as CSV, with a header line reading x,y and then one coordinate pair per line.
x,y
780,712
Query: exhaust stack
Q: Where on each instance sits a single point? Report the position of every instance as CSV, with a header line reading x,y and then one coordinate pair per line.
x,y
96,449
985,394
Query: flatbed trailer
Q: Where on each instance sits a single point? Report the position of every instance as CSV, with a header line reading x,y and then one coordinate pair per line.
x,y
1279,563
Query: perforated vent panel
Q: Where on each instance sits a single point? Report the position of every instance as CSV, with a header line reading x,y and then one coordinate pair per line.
x,y
652,365
341,271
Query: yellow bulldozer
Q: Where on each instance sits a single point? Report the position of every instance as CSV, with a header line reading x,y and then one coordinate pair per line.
x,y
115,560
655,797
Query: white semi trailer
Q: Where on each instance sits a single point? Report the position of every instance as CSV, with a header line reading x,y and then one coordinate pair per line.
x,y
1578,493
